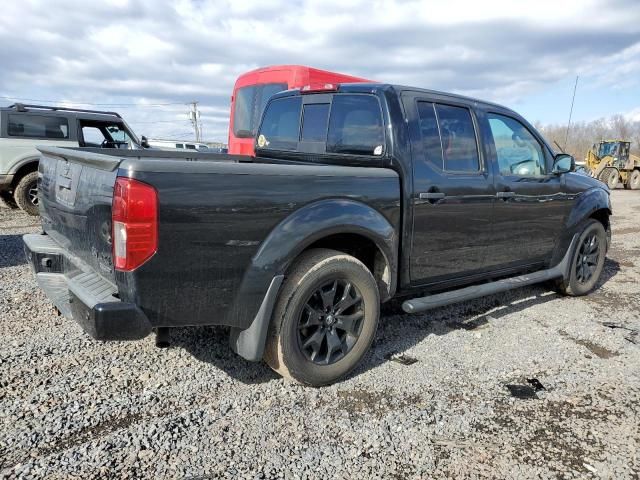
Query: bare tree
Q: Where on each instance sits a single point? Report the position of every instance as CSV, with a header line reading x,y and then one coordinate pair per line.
x,y
583,135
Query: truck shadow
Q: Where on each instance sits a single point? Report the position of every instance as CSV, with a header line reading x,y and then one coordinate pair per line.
x,y
211,345
11,251
397,332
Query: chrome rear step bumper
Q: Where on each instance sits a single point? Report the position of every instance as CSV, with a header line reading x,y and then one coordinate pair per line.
x,y
81,294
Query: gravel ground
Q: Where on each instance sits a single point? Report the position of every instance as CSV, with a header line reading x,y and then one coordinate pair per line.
x,y
432,400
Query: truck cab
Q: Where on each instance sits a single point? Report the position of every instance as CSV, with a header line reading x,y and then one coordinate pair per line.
x,y
481,191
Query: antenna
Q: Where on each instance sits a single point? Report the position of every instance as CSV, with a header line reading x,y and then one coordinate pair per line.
x,y
566,136
558,145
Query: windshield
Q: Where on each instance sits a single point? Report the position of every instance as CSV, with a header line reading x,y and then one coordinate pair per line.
x,y
610,148
249,105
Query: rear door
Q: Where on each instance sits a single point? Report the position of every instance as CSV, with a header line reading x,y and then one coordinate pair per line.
x,y
531,202
453,191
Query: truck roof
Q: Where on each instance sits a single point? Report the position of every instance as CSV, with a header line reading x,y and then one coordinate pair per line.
x,y
370,87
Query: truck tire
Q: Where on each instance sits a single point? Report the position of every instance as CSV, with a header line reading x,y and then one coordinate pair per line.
x,y
609,176
26,193
633,181
325,318
587,261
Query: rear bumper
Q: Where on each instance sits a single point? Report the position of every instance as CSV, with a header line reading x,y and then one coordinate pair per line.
x,y
81,294
5,182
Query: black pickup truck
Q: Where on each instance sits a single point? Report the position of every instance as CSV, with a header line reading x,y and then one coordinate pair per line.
x,y
357,194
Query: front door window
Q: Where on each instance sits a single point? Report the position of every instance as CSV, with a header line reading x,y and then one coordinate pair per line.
x,y
517,150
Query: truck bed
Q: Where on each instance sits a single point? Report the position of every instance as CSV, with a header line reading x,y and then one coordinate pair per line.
x,y
216,214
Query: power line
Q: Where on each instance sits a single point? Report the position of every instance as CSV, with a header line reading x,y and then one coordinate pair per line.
x,y
157,121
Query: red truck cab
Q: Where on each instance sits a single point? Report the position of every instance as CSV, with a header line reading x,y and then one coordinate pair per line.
x,y
253,89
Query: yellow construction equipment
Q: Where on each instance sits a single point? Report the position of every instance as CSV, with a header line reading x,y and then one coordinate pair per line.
x,y
611,162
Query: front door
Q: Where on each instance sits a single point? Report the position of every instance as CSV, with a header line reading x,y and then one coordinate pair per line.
x,y
531,204
453,192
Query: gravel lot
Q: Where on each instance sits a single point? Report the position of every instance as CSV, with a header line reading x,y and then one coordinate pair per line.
x,y
71,407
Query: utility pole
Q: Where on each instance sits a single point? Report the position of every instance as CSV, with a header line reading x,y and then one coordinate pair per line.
x,y
194,116
566,136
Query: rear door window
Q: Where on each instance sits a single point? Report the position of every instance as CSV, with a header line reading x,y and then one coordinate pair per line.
x,y
38,126
281,124
430,135
457,133
355,125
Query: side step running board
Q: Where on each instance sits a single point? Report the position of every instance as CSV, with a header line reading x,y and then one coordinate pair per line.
x,y
562,269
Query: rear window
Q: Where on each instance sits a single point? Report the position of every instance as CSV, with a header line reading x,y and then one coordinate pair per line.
x,y
250,102
314,122
38,126
355,125
281,124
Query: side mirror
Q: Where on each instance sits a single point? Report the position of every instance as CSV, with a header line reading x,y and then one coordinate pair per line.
x,y
563,163
144,142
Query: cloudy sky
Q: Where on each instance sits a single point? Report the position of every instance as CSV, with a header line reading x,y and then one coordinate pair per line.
x,y
148,58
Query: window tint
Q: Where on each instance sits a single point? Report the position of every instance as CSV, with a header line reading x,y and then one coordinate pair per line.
x,y
38,126
179,145
190,146
459,146
250,102
281,124
314,122
518,152
430,135
355,125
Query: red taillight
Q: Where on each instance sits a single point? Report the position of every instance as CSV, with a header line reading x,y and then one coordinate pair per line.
x,y
134,215
319,87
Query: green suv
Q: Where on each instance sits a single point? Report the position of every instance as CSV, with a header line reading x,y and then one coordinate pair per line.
x,y
25,127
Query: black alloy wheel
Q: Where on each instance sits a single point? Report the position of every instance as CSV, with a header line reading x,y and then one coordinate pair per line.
x,y
587,259
325,318
331,322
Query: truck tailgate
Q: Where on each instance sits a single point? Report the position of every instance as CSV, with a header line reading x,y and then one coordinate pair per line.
x,y
72,260
75,194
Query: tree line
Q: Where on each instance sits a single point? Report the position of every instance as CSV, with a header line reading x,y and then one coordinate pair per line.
x,y
582,135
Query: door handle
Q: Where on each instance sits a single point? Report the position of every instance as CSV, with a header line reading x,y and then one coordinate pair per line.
x,y
432,195
505,195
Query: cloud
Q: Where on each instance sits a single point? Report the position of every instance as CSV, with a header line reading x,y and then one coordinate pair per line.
x,y
157,52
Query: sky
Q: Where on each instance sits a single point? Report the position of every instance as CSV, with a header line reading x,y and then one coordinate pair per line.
x,y
148,58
